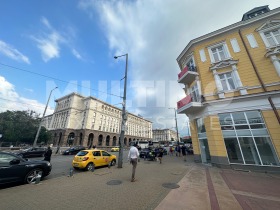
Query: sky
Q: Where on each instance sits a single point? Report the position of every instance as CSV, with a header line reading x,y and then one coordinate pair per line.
x,y
71,45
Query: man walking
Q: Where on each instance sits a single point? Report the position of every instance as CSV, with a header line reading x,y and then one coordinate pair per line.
x,y
48,154
184,152
133,156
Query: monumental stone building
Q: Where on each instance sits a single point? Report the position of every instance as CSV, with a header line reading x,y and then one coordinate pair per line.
x,y
164,135
88,121
232,85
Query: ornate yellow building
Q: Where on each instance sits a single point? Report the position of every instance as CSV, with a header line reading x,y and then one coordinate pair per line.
x,y
88,121
232,86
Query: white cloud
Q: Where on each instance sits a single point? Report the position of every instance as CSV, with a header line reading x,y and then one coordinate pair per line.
x,y
154,33
11,100
49,42
77,54
12,52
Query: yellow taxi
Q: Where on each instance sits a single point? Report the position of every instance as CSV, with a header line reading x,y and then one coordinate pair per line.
x,y
115,149
89,159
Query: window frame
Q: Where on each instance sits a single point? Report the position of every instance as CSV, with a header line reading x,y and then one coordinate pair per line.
x,y
225,51
276,42
226,79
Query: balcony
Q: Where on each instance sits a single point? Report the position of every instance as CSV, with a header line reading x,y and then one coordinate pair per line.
x,y
189,105
187,75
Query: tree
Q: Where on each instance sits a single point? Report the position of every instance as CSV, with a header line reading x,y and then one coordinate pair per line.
x,y
21,127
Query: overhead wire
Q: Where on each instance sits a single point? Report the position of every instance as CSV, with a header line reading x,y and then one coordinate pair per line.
x,y
57,79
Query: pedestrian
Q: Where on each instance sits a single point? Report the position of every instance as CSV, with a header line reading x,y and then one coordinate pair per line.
x,y
171,151
48,154
184,152
133,156
160,154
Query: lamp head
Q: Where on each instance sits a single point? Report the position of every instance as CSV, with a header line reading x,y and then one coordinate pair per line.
x,y
115,57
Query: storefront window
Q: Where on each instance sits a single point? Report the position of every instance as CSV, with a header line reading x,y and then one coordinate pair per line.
x,y
246,138
233,150
264,146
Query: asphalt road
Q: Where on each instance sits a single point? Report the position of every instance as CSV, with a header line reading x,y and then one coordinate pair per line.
x,y
61,165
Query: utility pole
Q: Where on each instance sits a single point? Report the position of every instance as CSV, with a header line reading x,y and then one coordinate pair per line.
x,y
124,117
178,140
40,125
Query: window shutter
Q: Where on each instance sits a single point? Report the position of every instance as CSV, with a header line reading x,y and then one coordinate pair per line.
x,y
252,40
202,55
235,45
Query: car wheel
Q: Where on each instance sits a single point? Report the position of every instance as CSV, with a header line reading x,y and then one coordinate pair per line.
x,y
90,167
113,162
30,177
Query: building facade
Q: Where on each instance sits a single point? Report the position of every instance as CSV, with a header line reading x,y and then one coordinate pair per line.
x,y
88,121
164,135
232,85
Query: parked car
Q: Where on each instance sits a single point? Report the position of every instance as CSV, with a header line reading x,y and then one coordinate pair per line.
x,y
14,168
73,150
115,149
89,159
147,153
31,152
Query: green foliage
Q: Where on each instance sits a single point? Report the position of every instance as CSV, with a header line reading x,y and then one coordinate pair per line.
x,y
21,127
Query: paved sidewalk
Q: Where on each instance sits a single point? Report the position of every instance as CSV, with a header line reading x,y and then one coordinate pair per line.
x,y
199,187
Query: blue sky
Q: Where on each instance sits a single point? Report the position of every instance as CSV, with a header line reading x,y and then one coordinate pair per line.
x,y
71,44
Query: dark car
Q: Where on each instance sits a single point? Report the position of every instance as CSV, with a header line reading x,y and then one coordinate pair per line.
x,y
32,152
16,169
147,153
73,150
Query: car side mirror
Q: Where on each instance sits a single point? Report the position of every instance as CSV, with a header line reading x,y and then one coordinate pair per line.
x,y
14,161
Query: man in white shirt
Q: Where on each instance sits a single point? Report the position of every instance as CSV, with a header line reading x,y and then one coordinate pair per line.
x,y
133,156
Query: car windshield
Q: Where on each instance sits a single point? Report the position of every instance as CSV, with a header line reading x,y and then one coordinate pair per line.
x,y
82,153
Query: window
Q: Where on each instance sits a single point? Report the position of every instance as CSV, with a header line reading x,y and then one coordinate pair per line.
x,y
97,153
195,94
190,64
227,81
246,139
273,37
218,52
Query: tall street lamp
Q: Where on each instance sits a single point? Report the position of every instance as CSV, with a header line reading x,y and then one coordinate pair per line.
x,y
176,125
40,125
121,143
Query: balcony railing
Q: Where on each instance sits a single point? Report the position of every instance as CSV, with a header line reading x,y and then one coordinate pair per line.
x,y
184,101
188,99
185,70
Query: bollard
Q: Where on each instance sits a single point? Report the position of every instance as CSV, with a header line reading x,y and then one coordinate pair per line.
x,y
71,172
38,177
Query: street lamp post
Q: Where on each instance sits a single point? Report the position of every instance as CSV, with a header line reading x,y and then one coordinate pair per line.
x,y
40,125
121,143
176,125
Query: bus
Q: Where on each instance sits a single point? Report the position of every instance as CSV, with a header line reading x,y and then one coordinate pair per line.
x,y
143,144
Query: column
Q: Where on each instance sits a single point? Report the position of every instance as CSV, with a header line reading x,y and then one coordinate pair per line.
x,y
276,63
218,84
238,82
